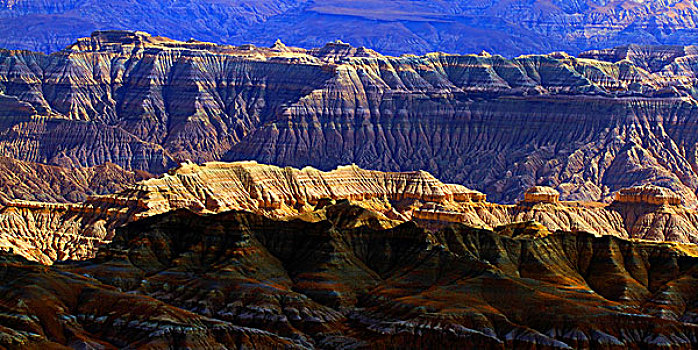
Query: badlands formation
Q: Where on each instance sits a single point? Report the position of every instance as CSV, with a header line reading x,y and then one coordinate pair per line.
x,y
50,183
48,232
242,280
583,235
58,231
587,126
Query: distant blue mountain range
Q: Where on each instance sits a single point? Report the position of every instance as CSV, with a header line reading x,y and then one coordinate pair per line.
x,y
507,27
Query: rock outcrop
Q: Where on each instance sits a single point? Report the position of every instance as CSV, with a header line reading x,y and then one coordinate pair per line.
x,y
180,280
216,187
650,195
541,194
48,232
654,213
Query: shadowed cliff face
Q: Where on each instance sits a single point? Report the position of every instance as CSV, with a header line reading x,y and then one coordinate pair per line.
x,y
495,125
180,279
38,182
587,126
141,107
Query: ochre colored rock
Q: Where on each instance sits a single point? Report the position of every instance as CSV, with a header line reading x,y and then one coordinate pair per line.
x,y
216,187
47,232
652,195
541,194
50,232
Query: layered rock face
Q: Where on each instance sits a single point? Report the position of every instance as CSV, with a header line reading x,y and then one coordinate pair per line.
x,y
651,195
585,126
510,27
240,279
542,194
217,187
48,232
652,212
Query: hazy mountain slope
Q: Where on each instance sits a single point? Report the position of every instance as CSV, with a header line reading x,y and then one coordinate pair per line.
x,y
509,27
50,25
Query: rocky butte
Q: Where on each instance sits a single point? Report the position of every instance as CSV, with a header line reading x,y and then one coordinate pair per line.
x,y
587,126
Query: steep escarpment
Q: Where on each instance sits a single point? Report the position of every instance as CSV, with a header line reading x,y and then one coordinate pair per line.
x,y
180,279
652,212
642,212
586,145
216,187
95,111
586,126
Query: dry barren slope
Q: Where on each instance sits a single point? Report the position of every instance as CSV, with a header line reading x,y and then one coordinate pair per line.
x,y
183,280
22,180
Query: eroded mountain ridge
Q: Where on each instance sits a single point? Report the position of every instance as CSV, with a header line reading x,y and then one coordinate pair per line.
x,y
240,279
49,232
587,126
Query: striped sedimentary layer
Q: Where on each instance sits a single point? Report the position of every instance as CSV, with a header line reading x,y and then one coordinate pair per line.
x,y
587,126
216,187
642,212
49,232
